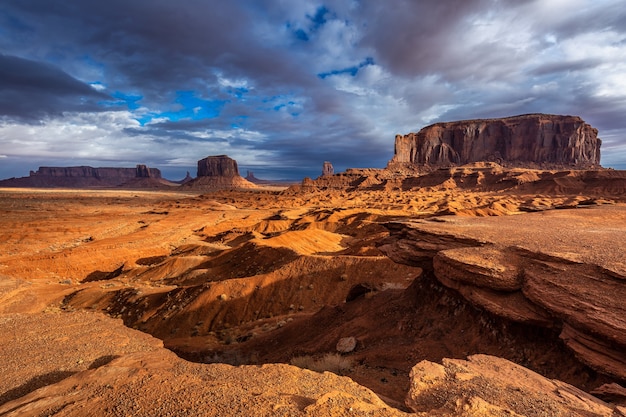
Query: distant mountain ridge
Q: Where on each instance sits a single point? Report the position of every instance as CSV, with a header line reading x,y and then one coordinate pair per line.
x,y
86,176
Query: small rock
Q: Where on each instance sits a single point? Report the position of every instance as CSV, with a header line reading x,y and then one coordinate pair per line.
x,y
346,344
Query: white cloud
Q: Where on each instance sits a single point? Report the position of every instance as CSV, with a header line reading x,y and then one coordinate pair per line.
x,y
98,86
231,82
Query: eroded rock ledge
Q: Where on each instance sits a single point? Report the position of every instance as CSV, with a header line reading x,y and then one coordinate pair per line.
x,y
570,276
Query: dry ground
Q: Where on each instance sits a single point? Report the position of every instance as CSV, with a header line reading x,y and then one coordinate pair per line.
x,y
252,277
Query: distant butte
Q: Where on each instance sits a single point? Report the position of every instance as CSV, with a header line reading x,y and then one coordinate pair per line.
x,y
218,172
86,176
526,141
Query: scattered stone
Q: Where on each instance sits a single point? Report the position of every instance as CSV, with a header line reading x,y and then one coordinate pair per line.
x,y
346,344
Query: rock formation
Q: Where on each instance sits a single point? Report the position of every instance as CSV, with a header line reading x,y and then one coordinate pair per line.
x,y
485,385
112,174
185,180
250,177
218,166
218,172
531,140
142,171
327,169
83,176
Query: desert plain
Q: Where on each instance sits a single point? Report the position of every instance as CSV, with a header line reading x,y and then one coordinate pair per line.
x,y
317,299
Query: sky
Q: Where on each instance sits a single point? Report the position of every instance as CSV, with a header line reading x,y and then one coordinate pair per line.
x,y
284,85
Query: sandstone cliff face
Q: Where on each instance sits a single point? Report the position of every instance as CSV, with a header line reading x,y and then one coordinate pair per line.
x,y
531,140
218,166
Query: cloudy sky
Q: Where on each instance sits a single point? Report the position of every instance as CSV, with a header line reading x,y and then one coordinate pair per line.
x,y
283,85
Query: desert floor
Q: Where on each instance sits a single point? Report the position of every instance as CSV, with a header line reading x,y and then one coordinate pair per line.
x,y
90,278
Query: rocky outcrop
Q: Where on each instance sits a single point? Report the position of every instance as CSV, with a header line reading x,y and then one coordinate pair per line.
x,y
218,172
532,140
250,177
489,386
565,278
477,177
185,180
327,169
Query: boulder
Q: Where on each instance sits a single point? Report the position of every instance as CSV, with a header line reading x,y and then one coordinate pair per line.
x,y
346,344
531,140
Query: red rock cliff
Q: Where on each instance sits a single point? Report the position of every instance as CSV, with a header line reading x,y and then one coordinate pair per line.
x,y
531,140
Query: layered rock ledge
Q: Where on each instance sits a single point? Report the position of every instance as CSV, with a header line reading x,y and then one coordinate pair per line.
x,y
570,276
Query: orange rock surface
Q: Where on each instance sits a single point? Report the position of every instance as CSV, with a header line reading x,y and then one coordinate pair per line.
x,y
99,289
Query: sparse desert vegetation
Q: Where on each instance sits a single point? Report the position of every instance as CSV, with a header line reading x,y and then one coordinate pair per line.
x,y
330,362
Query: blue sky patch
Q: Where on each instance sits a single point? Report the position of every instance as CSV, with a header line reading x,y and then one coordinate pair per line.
x,y
122,99
317,21
188,106
350,70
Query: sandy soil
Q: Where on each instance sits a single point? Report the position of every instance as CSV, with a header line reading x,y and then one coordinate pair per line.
x,y
263,276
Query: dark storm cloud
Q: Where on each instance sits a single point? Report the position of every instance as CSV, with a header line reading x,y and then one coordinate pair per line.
x,y
415,37
294,83
160,45
30,90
